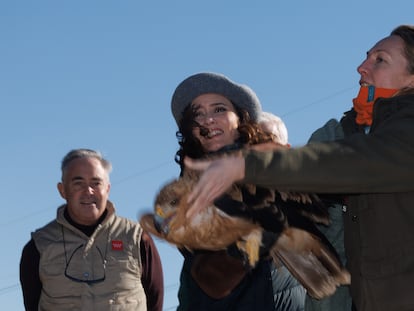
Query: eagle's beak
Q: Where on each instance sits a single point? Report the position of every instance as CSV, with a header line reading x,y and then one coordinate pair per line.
x,y
160,224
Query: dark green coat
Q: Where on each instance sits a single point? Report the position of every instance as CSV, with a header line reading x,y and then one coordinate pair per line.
x,y
376,172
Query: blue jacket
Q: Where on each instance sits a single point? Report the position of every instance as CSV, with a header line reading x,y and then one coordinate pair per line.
x,y
341,299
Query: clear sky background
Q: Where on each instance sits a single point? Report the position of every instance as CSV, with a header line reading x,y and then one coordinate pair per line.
x,y
100,75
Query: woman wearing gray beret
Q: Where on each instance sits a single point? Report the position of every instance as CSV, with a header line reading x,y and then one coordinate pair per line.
x,y
372,166
215,114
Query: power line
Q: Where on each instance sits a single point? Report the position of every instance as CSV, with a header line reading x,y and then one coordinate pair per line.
x,y
21,218
150,169
145,171
170,287
8,289
318,101
35,213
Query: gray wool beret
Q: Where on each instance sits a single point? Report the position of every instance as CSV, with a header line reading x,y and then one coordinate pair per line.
x,y
240,95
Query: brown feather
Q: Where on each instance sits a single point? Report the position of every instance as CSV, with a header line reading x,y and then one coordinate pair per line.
x,y
310,262
306,256
211,230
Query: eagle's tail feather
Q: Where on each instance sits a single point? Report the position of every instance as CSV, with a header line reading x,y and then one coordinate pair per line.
x,y
310,262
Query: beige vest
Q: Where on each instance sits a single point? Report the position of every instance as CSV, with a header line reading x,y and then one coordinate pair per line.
x,y
110,260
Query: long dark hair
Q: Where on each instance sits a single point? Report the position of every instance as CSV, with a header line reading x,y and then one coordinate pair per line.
x,y
250,133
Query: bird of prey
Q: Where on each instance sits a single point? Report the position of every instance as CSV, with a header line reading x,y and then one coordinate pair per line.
x,y
258,222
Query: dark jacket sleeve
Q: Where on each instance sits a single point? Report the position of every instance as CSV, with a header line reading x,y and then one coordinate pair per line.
x,y
152,275
29,276
351,165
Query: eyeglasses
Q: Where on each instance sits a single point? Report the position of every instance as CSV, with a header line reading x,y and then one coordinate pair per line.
x,y
76,271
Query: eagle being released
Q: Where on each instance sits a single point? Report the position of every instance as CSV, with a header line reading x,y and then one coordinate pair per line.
x,y
259,222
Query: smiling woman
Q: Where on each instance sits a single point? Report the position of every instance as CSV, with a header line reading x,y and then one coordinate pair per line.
x,y
214,115
211,112
217,121
373,167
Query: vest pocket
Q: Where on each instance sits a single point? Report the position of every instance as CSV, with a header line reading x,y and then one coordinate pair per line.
x,y
123,273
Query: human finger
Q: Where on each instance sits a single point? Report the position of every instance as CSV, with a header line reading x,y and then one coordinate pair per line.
x,y
198,165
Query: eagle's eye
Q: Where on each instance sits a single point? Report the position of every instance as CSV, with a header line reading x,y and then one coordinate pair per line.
x,y
174,202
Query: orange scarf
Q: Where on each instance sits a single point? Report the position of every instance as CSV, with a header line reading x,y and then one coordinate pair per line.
x,y
364,102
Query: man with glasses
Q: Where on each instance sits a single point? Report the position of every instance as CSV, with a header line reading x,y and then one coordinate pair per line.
x,y
88,258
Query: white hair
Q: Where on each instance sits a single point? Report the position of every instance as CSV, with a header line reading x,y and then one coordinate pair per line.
x,y
274,125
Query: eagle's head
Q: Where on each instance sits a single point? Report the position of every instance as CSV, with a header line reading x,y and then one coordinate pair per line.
x,y
167,203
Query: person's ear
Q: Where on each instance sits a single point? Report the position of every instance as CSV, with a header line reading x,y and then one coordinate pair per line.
x,y
61,190
411,81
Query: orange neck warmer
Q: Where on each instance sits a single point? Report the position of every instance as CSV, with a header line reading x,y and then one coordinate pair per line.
x,y
364,102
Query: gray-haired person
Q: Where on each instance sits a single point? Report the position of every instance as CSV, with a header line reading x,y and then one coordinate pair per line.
x,y
89,258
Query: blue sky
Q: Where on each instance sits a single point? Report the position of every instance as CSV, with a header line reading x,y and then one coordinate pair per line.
x,y
100,75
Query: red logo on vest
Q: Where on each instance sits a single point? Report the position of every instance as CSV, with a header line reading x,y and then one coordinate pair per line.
x,y
117,245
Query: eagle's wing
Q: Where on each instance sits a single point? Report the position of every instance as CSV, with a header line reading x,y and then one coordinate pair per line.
x,y
212,229
289,223
308,205
299,245
244,217
310,261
